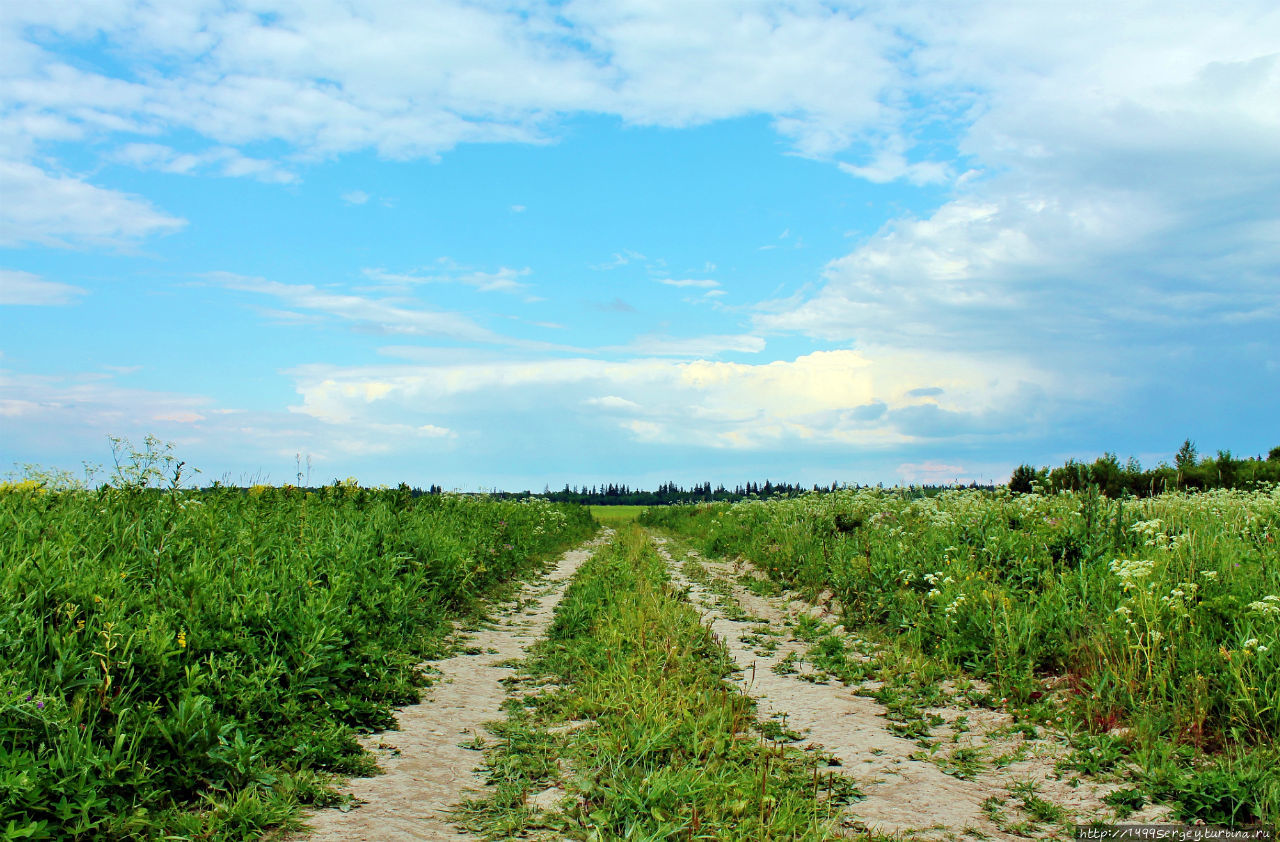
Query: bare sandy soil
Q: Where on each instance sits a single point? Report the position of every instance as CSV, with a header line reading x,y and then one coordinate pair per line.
x,y
427,772
905,793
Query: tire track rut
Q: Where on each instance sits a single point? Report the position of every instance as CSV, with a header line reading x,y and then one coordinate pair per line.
x,y
427,772
905,795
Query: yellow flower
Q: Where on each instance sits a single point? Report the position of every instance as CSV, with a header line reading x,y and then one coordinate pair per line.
x,y
182,639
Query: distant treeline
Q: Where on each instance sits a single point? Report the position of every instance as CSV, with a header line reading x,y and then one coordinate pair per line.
x,y
1189,471
616,495
668,493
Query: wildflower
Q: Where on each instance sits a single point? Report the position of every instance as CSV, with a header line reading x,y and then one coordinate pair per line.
x,y
40,705
1267,606
1251,643
1129,571
182,639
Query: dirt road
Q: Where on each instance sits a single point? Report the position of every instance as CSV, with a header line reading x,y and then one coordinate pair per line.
x,y
427,770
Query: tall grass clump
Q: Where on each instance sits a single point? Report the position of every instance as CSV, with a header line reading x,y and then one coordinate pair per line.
x,y
1158,619
183,663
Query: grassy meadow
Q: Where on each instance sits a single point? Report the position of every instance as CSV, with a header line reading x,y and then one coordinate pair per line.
x,y
192,664
616,515
197,664
1149,629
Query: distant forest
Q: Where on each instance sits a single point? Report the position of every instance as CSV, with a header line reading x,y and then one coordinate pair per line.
x,y
621,495
1189,471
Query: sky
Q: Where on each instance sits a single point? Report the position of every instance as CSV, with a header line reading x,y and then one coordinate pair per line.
x,y
522,244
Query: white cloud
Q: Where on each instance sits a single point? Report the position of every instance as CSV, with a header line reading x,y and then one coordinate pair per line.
x,y
1032,275
57,210
220,160
693,346
356,197
504,279
391,316
612,402
90,402
415,80
824,398
68,417
620,259
703,283
890,166
179,417
25,288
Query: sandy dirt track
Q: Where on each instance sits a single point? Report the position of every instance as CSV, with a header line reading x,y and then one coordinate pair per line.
x,y
427,771
905,795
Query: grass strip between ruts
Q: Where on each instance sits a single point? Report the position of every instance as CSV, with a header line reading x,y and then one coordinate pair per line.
x,y
659,745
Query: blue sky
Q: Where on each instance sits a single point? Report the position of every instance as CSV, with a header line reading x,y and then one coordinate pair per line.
x,y
520,244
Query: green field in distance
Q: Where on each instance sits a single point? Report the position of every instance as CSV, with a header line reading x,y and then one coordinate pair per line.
x,y
615,515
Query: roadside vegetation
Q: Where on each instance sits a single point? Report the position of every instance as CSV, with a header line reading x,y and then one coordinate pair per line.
x,y
1149,630
630,729
196,664
1189,471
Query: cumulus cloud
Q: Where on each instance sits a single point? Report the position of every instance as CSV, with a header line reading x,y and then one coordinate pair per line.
x,y
613,402
1123,188
824,398
890,164
412,81
25,288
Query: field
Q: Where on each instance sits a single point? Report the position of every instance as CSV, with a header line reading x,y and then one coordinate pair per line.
x,y
210,664
192,663
616,515
1147,629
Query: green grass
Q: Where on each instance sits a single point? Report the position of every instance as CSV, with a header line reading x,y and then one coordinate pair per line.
x,y
197,664
1159,618
671,749
616,515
